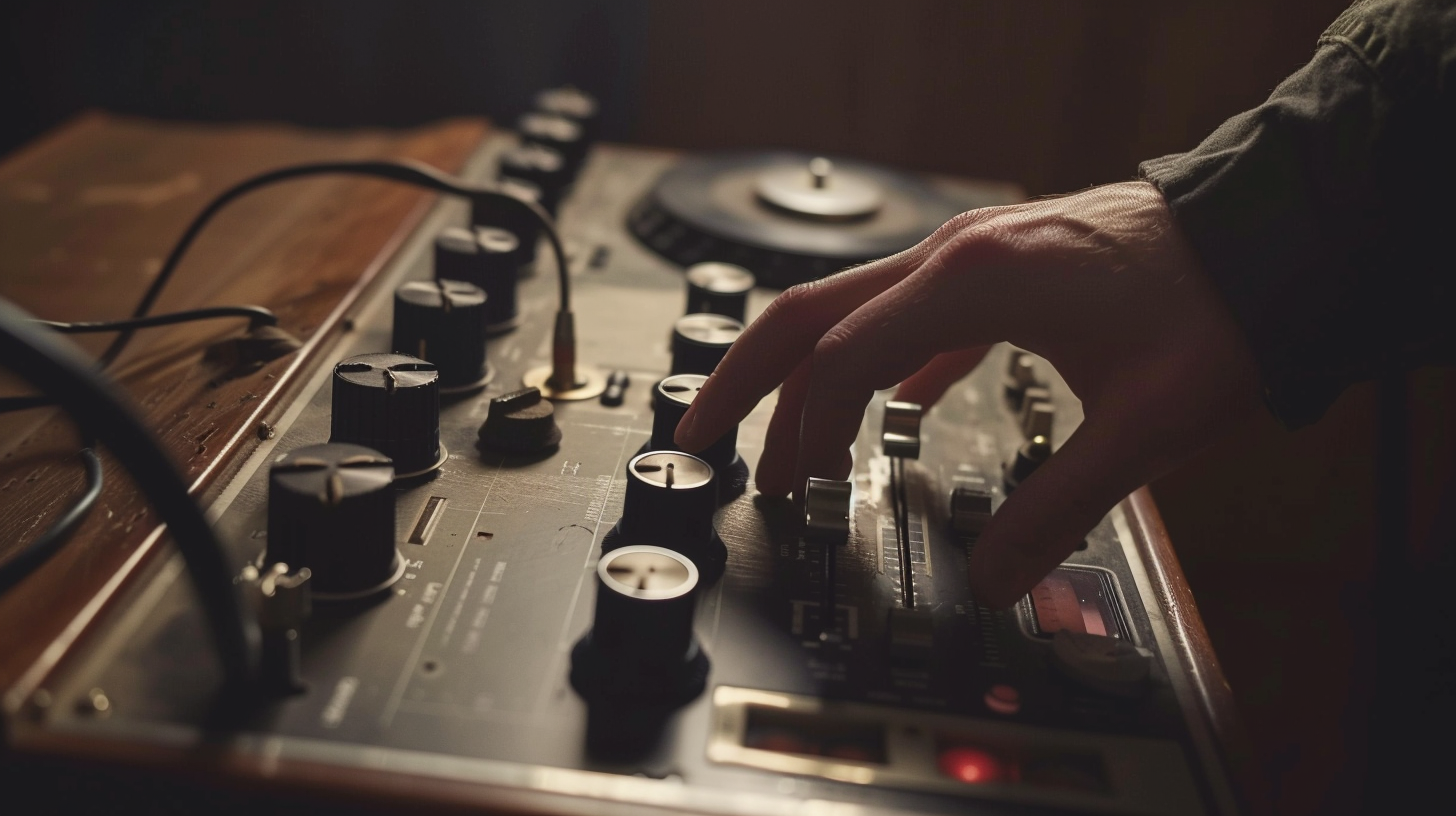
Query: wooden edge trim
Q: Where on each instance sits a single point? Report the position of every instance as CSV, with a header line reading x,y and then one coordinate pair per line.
x,y
1195,650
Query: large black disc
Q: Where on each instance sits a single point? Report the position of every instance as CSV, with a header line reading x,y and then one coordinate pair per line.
x,y
712,208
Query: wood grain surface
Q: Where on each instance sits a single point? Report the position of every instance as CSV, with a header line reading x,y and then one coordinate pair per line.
x,y
86,215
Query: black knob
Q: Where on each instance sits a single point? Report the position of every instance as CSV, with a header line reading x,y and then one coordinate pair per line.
x,y
640,660
331,509
719,288
520,422
443,322
573,103
541,167
699,342
669,502
670,401
390,402
490,258
511,218
556,132
1030,456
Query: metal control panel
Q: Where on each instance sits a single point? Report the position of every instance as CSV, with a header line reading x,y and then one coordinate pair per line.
x,y
889,689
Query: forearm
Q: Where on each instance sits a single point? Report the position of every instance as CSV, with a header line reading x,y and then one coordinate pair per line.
x,y
1323,216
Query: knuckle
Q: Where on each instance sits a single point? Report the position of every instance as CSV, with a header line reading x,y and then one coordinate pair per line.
x,y
833,349
791,304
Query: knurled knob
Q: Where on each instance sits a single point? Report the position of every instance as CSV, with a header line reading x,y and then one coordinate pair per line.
x,y
540,166
719,288
573,103
556,132
391,403
487,257
443,321
699,342
331,509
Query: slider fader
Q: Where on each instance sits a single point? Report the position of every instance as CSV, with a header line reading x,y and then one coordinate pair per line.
x,y
542,606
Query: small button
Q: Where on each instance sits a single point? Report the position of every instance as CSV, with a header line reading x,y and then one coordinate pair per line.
x,y
1003,699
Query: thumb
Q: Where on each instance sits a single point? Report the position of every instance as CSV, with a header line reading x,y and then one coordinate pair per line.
x,y
1051,512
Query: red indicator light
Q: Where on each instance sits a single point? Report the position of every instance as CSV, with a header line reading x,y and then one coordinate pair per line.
x,y
970,765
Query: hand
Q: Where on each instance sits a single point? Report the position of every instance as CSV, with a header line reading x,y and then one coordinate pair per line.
x,y
1099,283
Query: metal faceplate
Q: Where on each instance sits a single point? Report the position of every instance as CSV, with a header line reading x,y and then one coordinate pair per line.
x,y
460,672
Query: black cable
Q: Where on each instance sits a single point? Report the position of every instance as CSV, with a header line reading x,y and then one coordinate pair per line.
x,y
257,316
59,368
37,552
414,173
410,172
205,560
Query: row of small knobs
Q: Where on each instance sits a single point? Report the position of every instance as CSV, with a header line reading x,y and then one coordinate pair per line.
x,y
641,660
331,506
554,140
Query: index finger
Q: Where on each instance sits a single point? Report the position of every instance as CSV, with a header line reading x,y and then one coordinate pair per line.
x,y
786,333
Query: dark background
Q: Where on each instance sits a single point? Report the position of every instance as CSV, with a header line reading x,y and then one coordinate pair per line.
x,y
1281,534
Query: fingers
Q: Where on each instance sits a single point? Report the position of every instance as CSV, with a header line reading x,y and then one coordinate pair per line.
x,y
776,468
926,386
788,331
1052,511
877,346
774,345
